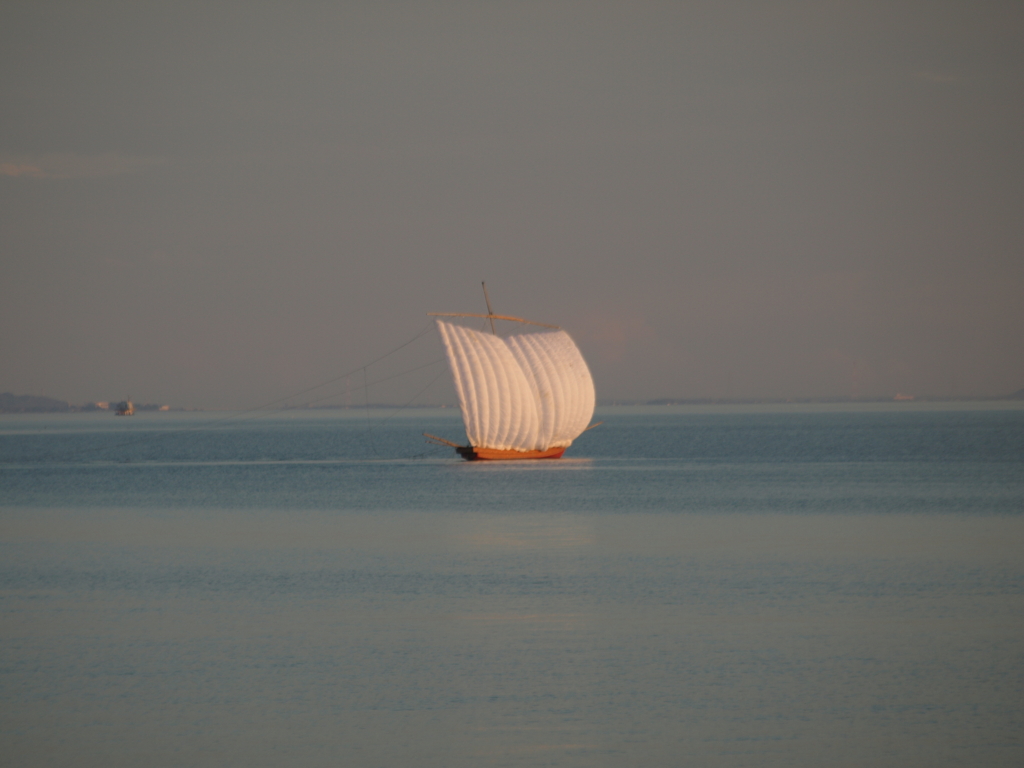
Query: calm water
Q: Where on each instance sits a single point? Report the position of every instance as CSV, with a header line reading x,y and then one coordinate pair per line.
x,y
788,586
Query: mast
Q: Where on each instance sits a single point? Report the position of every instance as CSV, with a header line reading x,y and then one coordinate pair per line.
x,y
490,312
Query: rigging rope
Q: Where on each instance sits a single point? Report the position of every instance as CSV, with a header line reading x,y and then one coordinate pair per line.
x,y
261,411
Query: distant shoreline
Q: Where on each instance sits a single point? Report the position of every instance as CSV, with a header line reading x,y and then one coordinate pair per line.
x,y
12,404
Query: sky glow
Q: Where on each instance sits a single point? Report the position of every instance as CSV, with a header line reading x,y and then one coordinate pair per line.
x,y
218,206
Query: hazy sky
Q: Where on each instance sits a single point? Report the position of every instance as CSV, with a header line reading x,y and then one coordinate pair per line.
x,y
217,206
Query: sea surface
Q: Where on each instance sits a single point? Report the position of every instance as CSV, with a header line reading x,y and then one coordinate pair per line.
x,y
788,585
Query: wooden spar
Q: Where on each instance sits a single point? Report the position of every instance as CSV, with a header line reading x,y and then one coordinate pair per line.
x,y
441,440
493,317
490,312
595,424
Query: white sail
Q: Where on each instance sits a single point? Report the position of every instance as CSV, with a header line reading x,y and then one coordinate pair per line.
x,y
562,384
528,392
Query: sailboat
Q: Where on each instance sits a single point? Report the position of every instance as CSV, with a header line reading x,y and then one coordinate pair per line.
x,y
523,396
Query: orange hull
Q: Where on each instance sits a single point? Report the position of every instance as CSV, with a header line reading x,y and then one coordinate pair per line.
x,y
492,454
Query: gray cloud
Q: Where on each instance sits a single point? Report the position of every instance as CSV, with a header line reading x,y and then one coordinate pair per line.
x,y
72,166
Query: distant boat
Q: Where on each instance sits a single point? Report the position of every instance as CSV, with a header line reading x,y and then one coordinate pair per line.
x,y
125,408
525,396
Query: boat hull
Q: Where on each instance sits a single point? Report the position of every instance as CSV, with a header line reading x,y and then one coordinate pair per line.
x,y
476,453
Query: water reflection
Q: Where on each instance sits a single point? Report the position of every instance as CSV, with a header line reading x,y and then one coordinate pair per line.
x,y
526,532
